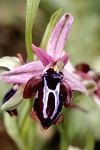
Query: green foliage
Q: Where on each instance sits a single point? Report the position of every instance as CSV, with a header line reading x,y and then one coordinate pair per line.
x,y
31,9
13,131
78,126
22,128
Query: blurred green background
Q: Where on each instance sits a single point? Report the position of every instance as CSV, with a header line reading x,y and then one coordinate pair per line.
x,y
83,44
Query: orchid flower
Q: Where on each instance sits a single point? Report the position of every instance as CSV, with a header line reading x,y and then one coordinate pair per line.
x,y
91,80
48,79
14,94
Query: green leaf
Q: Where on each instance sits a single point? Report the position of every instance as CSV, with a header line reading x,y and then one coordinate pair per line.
x,y
26,124
13,131
55,17
31,9
24,109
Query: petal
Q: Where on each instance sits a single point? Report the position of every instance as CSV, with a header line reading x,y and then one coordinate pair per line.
x,y
43,56
59,35
64,59
70,67
32,86
74,82
15,100
18,78
34,66
83,75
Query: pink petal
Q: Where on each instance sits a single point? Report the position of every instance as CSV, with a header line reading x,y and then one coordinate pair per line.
x,y
74,82
64,59
19,78
59,35
43,56
34,66
70,67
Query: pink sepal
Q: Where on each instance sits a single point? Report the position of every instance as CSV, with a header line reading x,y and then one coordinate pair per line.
x,y
59,35
42,55
74,82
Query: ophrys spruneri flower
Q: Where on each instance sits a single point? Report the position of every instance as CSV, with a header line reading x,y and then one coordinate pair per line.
x,y
49,80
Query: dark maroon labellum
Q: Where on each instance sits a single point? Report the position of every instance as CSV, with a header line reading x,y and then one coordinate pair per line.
x,y
50,94
83,67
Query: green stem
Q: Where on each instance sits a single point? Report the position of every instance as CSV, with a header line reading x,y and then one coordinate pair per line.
x,y
63,142
63,138
31,9
89,143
